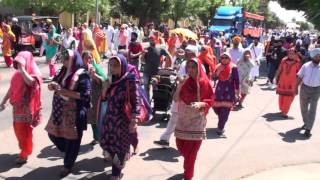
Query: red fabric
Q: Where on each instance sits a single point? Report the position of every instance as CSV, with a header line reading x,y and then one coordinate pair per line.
x,y
285,103
189,150
19,89
227,69
52,70
23,133
135,48
8,60
208,57
188,93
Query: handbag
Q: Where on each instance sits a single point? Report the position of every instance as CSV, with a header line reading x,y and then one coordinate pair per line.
x,y
127,104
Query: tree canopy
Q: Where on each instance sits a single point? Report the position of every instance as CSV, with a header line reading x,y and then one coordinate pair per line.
x,y
146,10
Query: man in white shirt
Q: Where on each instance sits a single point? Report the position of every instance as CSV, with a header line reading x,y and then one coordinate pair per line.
x,y
237,50
309,76
256,49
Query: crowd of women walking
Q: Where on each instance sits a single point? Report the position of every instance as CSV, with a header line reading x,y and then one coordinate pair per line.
x,y
114,101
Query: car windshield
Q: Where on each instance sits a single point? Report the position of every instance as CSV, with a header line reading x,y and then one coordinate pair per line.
x,y
222,22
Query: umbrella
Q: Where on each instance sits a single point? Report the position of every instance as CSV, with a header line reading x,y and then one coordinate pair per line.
x,y
185,32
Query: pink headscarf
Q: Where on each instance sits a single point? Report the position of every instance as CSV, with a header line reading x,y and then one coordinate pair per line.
x,y
20,92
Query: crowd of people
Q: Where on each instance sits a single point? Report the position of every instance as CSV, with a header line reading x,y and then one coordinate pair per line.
x,y
214,72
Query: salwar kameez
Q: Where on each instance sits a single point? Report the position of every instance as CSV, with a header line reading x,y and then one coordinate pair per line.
x,y
225,97
26,103
191,122
23,132
115,135
51,50
189,150
244,67
8,39
68,119
287,83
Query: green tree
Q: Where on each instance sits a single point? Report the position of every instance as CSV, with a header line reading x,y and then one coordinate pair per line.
x,y
248,5
207,9
46,7
145,10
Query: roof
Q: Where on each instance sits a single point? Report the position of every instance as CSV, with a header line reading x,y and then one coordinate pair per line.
x,y
229,10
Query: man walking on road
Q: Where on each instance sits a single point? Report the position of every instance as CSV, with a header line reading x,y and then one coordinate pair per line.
x,y
309,75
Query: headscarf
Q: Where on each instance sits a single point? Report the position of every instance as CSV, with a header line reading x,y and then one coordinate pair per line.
x,y
90,45
200,86
207,57
226,72
242,58
67,78
124,69
133,69
19,89
9,32
124,75
75,63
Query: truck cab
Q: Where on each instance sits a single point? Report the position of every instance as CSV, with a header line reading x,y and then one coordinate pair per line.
x,y
228,19
233,20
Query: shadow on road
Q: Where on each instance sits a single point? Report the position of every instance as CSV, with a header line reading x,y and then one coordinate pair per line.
x,y
161,154
96,164
275,117
267,89
52,153
157,119
47,173
94,176
292,135
52,173
176,177
212,133
7,162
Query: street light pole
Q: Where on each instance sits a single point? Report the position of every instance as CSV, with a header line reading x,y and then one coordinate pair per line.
x,y
97,13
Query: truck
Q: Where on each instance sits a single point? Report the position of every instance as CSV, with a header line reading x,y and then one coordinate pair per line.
x,y
233,20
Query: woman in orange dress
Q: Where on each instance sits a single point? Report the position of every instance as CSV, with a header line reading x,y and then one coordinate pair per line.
x,y
24,95
287,80
8,38
100,40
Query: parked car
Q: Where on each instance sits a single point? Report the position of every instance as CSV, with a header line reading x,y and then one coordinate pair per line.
x,y
29,24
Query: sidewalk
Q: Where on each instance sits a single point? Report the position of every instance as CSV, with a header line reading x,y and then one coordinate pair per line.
x,y
294,172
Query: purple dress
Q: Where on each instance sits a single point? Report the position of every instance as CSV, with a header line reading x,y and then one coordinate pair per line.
x,y
115,127
225,90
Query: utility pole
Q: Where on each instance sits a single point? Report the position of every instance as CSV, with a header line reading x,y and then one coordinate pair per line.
x,y
97,13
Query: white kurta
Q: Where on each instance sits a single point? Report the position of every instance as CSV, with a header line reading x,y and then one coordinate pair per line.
x,y
256,54
235,54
